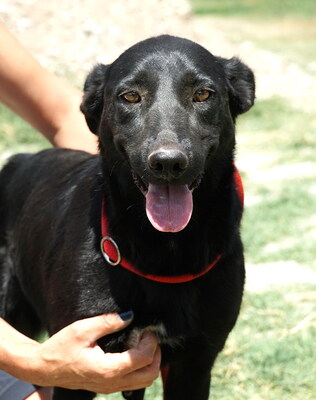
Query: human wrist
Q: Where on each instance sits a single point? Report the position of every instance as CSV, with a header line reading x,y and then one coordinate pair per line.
x,y
69,126
21,359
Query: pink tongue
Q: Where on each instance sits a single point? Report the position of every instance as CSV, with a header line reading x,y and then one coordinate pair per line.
x,y
169,208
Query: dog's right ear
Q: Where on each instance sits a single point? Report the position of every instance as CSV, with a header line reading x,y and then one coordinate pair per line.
x,y
93,98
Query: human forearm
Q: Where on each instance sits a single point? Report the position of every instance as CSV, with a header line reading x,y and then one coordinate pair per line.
x,y
16,351
44,100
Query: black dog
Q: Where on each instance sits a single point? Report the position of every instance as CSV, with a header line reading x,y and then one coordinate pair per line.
x,y
164,112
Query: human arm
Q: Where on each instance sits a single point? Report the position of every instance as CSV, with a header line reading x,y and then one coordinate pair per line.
x,y
72,359
49,103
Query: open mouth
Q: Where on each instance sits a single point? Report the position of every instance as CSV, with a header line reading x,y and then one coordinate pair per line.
x,y
168,207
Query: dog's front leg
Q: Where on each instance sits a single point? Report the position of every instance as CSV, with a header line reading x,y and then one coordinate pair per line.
x,y
189,377
186,382
134,394
67,394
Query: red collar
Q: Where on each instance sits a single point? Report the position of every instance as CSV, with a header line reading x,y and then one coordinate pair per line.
x,y
112,255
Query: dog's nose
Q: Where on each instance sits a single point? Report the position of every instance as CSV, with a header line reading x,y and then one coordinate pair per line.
x,y
168,163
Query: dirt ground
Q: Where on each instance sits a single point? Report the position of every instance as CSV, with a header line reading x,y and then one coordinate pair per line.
x,y
69,37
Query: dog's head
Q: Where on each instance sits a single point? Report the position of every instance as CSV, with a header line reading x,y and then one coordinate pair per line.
x,y
168,107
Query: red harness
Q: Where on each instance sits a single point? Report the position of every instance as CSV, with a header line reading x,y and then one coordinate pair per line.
x,y
112,254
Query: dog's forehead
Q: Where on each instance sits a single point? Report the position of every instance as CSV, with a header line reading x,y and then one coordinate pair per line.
x,y
165,56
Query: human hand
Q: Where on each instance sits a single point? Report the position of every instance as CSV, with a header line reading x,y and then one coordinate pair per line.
x,y
72,359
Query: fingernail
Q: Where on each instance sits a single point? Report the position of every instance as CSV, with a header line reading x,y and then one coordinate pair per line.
x,y
126,316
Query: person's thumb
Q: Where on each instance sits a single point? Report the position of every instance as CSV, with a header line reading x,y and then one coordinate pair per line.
x,y
94,328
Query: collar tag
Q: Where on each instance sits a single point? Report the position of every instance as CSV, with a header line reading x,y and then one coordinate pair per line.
x,y
110,251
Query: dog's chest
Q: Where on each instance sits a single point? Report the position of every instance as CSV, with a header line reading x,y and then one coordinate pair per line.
x,y
173,313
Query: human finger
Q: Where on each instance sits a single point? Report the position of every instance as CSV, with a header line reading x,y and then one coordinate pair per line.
x,y
136,358
93,328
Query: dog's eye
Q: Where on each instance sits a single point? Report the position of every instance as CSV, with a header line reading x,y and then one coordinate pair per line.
x,y
201,95
131,97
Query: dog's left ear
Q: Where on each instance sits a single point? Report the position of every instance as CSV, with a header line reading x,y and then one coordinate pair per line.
x,y
92,102
241,83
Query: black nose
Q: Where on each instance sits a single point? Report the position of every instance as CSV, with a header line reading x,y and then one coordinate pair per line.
x,y
168,163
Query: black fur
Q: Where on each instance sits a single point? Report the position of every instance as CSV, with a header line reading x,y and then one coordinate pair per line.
x,y
52,271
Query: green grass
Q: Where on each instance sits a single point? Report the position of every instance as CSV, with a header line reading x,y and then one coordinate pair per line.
x,y
274,125
16,135
300,38
269,355
280,225
279,132
278,228
255,8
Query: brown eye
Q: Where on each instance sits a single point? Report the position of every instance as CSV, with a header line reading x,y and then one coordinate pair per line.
x,y
201,95
132,97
